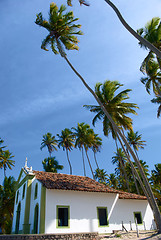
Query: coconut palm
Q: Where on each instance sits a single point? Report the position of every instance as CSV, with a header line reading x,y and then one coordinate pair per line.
x,y
84,140
51,165
96,146
153,77
101,175
134,140
115,105
113,181
6,160
66,141
157,100
152,33
61,32
120,160
156,183
50,142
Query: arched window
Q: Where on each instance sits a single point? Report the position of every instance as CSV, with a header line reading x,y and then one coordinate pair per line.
x,y
18,218
23,193
36,218
36,190
17,196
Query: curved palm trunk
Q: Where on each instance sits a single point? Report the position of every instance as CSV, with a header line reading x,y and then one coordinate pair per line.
x,y
117,131
121,161
69,161
135,34
95,159
89,163
83,162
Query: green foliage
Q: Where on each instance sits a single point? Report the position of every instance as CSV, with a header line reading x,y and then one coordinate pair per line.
x,y
101,175
50,142
51,165
115,105
7,196
62,29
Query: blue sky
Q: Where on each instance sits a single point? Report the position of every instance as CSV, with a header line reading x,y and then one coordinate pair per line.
x,y
40,93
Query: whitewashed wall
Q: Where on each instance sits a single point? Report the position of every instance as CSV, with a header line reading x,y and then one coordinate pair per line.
x,y
83,211
34,202
23,202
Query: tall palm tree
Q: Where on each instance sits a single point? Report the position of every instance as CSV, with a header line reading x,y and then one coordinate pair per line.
x,y
134,140
61,32
50,142
120,160
96,146
115,105
84,139
113,181
6,160
152,33
66,141
51,165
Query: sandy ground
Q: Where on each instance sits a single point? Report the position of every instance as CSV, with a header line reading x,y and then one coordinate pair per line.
x,y
152,235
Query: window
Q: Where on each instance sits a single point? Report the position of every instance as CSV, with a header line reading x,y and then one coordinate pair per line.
x,y
23,193
102,216
138,217
17,196
36,190
36,218
63,216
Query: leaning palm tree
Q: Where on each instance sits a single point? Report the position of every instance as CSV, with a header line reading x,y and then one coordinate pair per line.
x,y
66,141
6,161
126,25
61,32
50,164
115,105
152,33
50,142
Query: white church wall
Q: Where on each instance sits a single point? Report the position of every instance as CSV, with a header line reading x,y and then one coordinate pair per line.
x,y
83,211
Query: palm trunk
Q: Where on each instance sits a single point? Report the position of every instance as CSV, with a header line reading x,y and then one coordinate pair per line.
x,y
133,174
95,159
83,163
89,163
123,169
117,131
135,34
69,162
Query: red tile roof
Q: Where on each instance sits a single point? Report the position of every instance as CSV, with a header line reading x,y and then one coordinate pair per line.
x,y
78,183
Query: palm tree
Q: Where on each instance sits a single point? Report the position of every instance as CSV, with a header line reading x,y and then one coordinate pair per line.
x,y
153,77
120,159
6,161
113,181
84,139
7,196
152,33
66,141
157,100
96,145
115,105
50,142
51,165
101,175
61,32
156,183
134,140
